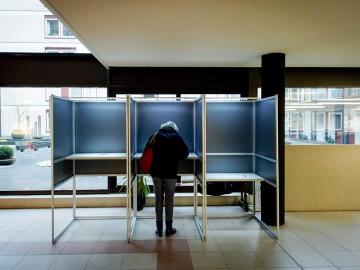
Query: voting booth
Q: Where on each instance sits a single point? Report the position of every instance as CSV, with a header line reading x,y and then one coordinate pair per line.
x,y
229,141
87,138
241,146
146,118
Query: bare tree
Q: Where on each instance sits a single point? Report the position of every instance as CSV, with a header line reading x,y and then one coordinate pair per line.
x,y
20,113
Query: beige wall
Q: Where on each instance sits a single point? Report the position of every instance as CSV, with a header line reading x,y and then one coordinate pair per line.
x,y
322,177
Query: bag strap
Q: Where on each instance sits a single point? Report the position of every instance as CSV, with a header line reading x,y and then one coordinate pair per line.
x,y
152,141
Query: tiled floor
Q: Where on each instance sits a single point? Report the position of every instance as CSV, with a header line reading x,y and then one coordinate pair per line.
x,y
322,240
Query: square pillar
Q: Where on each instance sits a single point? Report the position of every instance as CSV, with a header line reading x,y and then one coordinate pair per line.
x,y
273,83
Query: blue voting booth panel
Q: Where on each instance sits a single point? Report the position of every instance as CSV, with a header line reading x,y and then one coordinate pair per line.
x,y
62,128
229,127
266,128
229,164
100,127
265,143
150,115
229,130
62,138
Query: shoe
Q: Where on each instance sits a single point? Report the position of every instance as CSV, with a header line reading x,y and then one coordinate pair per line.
x,y
159,228
169,228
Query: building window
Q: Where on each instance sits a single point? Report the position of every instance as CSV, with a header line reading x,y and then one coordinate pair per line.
x,y
55,29
66,32
318,122
318,93
52,28
335,93
294,95
307,94
335,121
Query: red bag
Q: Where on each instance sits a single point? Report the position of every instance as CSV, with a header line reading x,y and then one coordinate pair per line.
x,y
147,156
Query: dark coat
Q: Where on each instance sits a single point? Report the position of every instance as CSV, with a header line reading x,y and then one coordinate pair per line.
x,y
168,149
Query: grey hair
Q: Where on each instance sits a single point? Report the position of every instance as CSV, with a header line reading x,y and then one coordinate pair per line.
x,y
169,125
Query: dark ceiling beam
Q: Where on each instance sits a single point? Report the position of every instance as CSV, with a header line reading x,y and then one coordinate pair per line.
x,y
84,70
179,80
322,77
51,70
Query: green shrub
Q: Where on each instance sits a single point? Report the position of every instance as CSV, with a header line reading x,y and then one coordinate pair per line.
x,y
6,152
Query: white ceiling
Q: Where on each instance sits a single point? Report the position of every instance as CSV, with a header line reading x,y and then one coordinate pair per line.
x,y
312,33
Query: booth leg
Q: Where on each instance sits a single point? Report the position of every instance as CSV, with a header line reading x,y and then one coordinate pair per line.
x,y
74,197
254,199
134,198
52,216
195,195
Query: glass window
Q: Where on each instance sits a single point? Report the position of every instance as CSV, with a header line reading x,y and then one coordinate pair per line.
x,y
25,127
52,28
335,93
296,121
307,94
318,93
318,121
335,120
66,32
326,116
294,94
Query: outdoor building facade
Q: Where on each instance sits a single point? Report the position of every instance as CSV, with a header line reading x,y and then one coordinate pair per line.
x,y
322,115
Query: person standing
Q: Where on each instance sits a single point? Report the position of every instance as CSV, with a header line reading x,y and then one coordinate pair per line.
x,y
168,149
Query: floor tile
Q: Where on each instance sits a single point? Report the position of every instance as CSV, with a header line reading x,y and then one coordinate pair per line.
x,y
275,259
226,245
167,261
208,260
20,249
38,262
105,262
140,261
260,244
47,248
9,262
294,245
324,244
70,262
242,259
110,247
7,236
87,235
79,247
202,246
342,258
310,259
32,237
